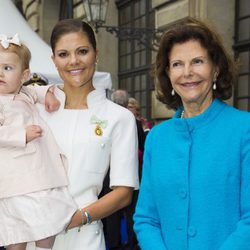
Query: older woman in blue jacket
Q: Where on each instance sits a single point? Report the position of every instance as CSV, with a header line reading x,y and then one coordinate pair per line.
x,y
195,190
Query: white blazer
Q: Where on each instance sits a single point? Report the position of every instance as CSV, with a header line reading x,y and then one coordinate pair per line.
x,y
93,139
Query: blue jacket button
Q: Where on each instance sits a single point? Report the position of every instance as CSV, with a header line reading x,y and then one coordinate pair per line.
x,y
191,231
183,193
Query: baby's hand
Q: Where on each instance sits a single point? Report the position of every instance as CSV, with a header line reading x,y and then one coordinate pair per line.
x,y
51,102
33,132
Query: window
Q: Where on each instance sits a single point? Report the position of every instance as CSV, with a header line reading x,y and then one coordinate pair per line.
x,y
242,51
134,57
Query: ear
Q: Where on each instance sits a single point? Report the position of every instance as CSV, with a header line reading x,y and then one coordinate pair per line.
x,y
25,75
216,72
96,55
53,59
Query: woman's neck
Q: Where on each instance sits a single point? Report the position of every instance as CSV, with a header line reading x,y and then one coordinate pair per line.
x,y
76,98
194,109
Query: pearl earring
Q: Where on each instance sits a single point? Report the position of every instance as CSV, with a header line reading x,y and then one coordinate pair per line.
x,y
214,81
214,85
172,92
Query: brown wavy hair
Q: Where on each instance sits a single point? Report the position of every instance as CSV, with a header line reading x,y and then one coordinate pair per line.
x,y
181,32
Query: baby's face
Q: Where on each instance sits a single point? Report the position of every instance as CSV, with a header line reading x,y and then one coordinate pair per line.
x,y
11,72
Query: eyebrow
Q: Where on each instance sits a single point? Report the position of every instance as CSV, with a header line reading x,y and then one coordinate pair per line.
x,y
81,47
197,57
8,64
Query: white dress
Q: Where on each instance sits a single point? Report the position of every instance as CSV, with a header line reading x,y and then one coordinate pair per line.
x,y
92,139
35,216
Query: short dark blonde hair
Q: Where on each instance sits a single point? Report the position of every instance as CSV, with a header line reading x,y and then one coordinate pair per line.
x,y
23,53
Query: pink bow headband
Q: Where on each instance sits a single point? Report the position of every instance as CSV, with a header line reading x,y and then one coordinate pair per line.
x,y
6,41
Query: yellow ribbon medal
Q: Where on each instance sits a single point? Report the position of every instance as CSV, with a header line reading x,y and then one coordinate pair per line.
x,y
100,125
98,130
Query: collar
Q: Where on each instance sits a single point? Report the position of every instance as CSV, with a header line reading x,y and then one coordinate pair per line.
x,y
201,120
94,99
23,94
7,97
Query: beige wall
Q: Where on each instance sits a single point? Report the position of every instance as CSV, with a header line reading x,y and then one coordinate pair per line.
x,y
108,46
223,17
219,13
32,13
49,15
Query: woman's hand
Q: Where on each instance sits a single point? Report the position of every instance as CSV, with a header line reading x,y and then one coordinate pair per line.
x,y
76,220
118,198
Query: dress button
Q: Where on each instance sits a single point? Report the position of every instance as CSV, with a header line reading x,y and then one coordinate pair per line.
x,y
97,232
191,231
103,145
183,193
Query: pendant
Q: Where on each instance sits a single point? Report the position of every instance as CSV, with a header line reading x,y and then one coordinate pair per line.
x,y
98,130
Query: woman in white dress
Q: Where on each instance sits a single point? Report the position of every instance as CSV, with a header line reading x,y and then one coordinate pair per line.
x,y
94,134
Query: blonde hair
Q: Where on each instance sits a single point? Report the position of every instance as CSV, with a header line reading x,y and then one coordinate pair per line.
x,y
135,104
22,52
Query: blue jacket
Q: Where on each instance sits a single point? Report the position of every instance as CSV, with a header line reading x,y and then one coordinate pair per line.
x,y
195,190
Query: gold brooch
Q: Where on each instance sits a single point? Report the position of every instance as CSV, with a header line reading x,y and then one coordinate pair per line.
x,y
98,130
100,124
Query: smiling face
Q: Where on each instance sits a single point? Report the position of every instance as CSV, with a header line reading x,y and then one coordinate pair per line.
x,y
75,59
12,74
191,73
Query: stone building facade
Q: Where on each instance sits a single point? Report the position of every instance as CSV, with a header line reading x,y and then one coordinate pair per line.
x,y
130,63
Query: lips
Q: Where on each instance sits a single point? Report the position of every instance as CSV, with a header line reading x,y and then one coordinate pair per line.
x,y
75,71
190,84
2,82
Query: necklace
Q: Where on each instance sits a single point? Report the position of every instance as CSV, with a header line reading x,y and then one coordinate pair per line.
x,y
182,113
